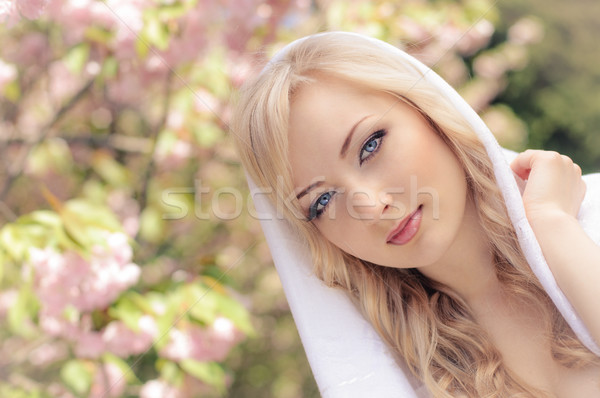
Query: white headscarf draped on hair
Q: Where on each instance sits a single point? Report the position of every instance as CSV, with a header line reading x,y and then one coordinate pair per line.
x,y
347,357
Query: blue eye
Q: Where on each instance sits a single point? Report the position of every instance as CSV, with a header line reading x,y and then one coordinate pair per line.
x,y
319,206
371,146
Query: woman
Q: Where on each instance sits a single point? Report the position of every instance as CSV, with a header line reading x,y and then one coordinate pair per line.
x,y
403,200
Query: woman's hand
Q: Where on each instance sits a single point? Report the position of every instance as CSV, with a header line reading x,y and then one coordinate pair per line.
x,y
552,197
554,185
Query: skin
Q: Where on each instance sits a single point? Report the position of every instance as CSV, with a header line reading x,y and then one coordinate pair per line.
x,y
412,168
552,198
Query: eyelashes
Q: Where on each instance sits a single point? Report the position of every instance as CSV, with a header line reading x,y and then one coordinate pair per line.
x,y
320,205
370,147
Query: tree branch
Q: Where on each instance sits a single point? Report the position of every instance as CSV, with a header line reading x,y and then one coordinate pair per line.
x,y
18,166
119,142
143,194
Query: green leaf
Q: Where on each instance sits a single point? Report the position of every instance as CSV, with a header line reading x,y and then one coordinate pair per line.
x,y
25,308
203,304
142,48
164,318
12,90
212,76
152,225
169,371
77,57
156,32
20,392
110,67
77,375
87,223
4,260
98,34
207,134
171,11
110,170
12,240
53,154
41,228
216,273
128,312
164,324
210,373
123,366
42,217
236,313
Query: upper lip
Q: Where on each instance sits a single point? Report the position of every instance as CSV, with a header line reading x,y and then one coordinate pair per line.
x,y
401,225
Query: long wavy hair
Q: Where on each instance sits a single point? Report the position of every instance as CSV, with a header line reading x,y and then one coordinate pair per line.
x,y
424,323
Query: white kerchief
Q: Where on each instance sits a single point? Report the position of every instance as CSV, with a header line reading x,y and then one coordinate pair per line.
x,y
346,355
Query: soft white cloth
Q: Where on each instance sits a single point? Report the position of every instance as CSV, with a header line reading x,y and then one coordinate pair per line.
x,y
346,355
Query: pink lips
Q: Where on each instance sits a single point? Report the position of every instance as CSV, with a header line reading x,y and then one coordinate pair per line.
x,y
407,228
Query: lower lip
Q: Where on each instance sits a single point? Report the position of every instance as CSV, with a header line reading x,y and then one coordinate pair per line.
x,y
410,229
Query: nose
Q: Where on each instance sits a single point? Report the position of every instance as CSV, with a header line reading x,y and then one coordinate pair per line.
x,y
394,204
372,205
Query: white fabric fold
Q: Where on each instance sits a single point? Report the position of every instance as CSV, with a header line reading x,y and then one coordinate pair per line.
x,y
346,355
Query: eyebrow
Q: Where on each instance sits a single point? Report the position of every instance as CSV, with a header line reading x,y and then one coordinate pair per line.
x,y
348,139
309,188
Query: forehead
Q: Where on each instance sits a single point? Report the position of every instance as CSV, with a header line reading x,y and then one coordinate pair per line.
x,y
322,112
324,94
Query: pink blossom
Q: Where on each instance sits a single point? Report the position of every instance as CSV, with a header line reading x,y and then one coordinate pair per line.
x,y
59,390
123,342
63,83
128,17
75,16
201,344
175,119
7,299
413,30
58,326
89,344
127,209
32,50
179,347
239,70
126,88
58,278
109,381
9,14
205,102
172,155
6,9
476,37
158,389
119,248
67,281
222,336
490,66
526,31
31,9
48,353
8,73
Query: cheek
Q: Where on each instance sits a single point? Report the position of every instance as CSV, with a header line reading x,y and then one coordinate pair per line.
x,y
340,233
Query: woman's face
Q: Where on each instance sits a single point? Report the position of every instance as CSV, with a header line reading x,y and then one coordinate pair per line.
x,y
373,176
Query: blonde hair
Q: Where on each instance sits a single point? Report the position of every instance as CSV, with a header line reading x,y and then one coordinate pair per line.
x,y
424,323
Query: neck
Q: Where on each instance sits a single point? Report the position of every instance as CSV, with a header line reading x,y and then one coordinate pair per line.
x,y
468,268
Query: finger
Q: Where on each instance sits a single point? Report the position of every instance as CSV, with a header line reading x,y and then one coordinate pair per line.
x,y
522,164
578,169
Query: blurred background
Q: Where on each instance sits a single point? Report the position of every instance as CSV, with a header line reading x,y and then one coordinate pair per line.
x,y
130,261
